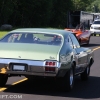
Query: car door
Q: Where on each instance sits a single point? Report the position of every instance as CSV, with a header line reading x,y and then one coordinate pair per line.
x,y
80,54
85,36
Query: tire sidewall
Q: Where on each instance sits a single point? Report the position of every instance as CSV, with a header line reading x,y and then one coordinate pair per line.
x,y
3,79
68,80
85,74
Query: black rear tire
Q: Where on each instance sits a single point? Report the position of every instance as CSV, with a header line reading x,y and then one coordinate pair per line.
x,y
85,74
80,42
94,34
3,79
88,41
68,80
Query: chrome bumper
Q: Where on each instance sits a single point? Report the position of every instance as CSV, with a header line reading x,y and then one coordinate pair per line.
x,y
95,32
31,67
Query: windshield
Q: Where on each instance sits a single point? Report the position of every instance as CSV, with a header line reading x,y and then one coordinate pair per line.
x,y
37,38
96,22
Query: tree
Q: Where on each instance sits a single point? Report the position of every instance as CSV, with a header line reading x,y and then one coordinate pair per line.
x,y
59,11
94,6
81,4
41,13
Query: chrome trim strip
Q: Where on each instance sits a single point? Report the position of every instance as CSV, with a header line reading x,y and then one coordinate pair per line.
x,y
29,62
31,73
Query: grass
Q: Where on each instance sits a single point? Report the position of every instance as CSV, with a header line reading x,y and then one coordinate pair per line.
x,y
3,33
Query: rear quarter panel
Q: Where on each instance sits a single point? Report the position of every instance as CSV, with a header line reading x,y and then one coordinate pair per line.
x,y
90,54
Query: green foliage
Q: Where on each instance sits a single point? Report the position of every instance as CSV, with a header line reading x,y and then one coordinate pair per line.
x,y
59,13
82,4
3,33
94,6
41,13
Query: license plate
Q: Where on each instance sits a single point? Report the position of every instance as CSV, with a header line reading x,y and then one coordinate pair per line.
x,y
19,67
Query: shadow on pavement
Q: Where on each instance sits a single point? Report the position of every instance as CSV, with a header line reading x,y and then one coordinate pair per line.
x,y
83,89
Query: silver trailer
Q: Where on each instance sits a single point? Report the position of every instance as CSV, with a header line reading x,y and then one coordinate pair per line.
x,y
76,17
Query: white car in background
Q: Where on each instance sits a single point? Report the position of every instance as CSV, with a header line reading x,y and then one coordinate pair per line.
x,y
95,27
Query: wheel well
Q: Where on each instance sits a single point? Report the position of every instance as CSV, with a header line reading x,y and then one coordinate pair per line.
x,y
91,62
74,64
79,40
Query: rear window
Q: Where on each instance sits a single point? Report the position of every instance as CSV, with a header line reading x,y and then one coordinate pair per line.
x,y
96,22
35,38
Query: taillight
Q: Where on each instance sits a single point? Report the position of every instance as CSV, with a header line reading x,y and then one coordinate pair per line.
x,y
50,69
50,66
50,63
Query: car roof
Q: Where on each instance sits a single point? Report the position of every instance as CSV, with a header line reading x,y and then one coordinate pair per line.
x,y
42,30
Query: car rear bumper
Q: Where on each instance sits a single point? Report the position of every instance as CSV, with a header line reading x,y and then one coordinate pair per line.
x,y
95,31
36,68
32,73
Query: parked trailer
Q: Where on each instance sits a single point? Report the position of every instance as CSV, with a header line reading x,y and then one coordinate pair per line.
x,y
76,17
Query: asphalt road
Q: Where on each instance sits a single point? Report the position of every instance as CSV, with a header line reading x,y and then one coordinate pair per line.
x,y
47,90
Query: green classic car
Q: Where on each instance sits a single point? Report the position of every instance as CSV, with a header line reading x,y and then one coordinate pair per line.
x,y
40,52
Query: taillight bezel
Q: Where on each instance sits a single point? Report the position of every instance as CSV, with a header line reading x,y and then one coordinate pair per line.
x,y
51,63
50,66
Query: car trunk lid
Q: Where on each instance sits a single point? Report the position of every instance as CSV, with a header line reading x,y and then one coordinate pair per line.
x,y
29,51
